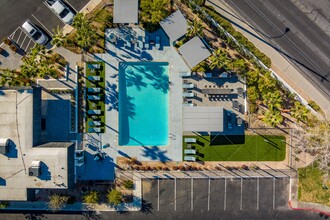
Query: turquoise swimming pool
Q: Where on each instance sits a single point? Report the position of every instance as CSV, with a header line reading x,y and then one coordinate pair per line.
x,y
143,104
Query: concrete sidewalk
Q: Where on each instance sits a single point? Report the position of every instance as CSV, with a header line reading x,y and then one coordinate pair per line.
x,y
280,65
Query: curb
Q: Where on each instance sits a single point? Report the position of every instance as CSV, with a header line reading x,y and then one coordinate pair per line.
x,y
306,209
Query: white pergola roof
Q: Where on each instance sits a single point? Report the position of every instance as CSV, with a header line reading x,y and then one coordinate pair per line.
x,y
194,51
126,11
175,25
203,118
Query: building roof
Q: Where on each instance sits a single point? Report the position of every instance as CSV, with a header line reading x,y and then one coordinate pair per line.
x,y
194,51
126,11
17,123
203,118
175,25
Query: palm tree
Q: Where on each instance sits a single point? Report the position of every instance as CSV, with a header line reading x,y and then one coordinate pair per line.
x,y
58,39
299,112
239,66
196,28
273,100
273,118
219,59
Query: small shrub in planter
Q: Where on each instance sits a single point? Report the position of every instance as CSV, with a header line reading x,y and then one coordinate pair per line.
x,y
13,48
175,168
1,50
148,168
142,168
4,205
91,197
181,168
217,168
166,169
7,41
159,168
244,167
114,197
128,184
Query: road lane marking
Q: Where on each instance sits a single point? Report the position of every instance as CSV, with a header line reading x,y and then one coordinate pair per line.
x,y
192,194
258,193
241,205
273,193
158,194
49,32
175,194
225,197
208,198
24,40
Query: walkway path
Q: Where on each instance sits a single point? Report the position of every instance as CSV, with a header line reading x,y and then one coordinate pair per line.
x,y
279,64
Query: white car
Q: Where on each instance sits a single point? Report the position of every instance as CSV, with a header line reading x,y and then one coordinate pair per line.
x,y
62,10
35,33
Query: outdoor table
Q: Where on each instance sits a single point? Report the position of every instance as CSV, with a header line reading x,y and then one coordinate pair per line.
x,y
217,91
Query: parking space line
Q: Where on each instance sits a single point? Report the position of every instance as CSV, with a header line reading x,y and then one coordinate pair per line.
x,y
158,194
192,194
175,194
19,36
241,205
258,193
49,32
274,193
225,197
28,45
24,39
71,6
208,198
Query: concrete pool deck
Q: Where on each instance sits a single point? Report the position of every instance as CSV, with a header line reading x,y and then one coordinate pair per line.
x,y
119,53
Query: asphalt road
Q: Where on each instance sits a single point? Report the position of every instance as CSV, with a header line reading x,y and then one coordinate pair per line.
x,y
289,30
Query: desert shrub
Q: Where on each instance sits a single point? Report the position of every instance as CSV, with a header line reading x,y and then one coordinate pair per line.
x,y
128,184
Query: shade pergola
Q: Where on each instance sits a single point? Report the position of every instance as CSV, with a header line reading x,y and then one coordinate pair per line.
x,y
203,118
194,51
126,11
175,25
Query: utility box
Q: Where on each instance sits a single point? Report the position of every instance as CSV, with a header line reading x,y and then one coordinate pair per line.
x,y
35,168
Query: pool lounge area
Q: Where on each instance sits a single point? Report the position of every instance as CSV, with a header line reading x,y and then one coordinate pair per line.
x,y
143,104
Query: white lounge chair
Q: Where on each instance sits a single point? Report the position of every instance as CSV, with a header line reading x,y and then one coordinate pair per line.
x,y
189,151
94,112
189,158
93,97
157,44
188,86
94,130
93,78
94,89
94,123
112,38
190,140
185,74
146,42
188,94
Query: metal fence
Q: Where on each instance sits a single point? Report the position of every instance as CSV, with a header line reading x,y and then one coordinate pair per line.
x,y
249,54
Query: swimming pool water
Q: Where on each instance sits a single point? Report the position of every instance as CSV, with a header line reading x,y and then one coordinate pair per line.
x,y
143,103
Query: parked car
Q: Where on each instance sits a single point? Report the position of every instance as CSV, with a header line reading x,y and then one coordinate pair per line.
x,y
35,32
61,10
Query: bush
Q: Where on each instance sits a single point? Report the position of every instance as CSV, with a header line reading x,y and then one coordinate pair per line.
x,y
57,202
7,41
114,197
128,184
315,106
91,197
4,205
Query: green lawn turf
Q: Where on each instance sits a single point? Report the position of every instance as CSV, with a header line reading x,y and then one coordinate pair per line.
x,y
310,186
239,148
99,104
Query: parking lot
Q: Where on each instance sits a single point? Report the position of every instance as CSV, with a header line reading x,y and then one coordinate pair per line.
x,y
216,195
39,14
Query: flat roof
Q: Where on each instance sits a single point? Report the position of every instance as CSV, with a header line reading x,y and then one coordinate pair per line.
x,y
17,124
203,118
175,25
126,11
194,51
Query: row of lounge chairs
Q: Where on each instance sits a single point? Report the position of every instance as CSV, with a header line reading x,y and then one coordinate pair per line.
x,y
142,43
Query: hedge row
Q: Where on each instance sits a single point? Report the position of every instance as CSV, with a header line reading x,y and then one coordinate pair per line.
x,y
238,36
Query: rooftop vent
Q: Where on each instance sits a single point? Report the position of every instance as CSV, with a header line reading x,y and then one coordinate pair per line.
x,y
4,145
35,168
